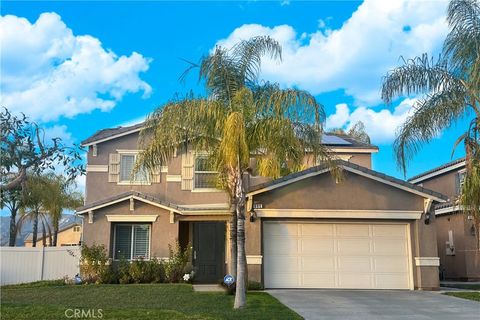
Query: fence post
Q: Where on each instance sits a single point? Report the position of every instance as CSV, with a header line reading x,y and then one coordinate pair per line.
x,y
42,262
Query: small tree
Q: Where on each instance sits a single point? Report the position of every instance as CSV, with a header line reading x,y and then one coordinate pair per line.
x,y
34,196
357,131
24,148
12,199
61,196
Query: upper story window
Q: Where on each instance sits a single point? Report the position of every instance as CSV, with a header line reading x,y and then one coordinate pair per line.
x,y
76,229
205,175
127,162
460,181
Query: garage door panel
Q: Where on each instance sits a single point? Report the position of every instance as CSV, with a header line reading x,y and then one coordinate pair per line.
x,y
390,264
318,280
353,246
282,246
317,263
312,229
390,281
282,280
355,281
355,264
390,247
283,263
282,229
352,230
341,255
386,230
317,246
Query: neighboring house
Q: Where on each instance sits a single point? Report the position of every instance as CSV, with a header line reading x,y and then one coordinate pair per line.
x,y
304,230
68,235
457,248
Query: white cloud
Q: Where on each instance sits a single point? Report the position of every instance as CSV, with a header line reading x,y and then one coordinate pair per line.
x,y
58,131
356,56
380,125
48,72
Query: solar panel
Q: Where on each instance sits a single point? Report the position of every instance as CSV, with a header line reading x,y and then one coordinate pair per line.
x,y
334,140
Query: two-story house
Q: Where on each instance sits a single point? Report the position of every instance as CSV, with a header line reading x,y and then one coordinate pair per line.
x,y
457,248
304,230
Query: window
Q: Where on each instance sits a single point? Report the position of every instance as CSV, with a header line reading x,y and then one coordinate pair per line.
x,y
127,162
460,181
131,241
205,175
76,229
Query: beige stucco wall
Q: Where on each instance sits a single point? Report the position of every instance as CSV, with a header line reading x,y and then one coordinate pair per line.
x,y
354,192
465,264
98,187
357,193
163,232
65,237
445,184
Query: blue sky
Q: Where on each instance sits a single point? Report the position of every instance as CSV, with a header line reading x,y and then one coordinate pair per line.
x,y
77,67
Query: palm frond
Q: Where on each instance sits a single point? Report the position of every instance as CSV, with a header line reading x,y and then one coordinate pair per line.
x,y
418,75
249,53
432,114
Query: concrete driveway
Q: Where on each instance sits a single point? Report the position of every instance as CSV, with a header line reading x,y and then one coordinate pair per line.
x,y
376,304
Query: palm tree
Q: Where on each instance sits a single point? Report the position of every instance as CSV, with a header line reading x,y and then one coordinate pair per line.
x,y
61,196
34,195
239,119
451,89
357,131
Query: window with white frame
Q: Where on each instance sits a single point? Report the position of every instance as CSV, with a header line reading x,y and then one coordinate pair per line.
x,y
205,175
127,163
131,241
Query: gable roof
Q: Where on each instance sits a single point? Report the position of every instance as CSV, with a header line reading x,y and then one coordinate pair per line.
x,y
455,164
351,167
126,196
155,201
113,133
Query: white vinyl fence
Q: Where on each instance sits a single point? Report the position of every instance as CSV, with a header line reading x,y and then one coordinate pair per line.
x,y
22,264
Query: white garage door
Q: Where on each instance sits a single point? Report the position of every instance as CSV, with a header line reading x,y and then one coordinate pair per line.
x,y
342,255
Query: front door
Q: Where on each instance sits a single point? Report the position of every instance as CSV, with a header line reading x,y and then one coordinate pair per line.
x,y
209,251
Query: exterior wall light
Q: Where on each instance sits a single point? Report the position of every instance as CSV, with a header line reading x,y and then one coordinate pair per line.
x,y
253,215
427,218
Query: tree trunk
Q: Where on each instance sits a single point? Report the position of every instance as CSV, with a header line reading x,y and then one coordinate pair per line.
x,y
13,227
55,235
240,292
35,228
44,236
232,268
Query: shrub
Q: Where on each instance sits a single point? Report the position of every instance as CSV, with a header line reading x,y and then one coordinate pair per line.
x,y
176,266
94,264
124,272
150,271
254,285
108,275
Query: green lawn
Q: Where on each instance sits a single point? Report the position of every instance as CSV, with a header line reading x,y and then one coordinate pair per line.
x,y
475,296
463,286
149,301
